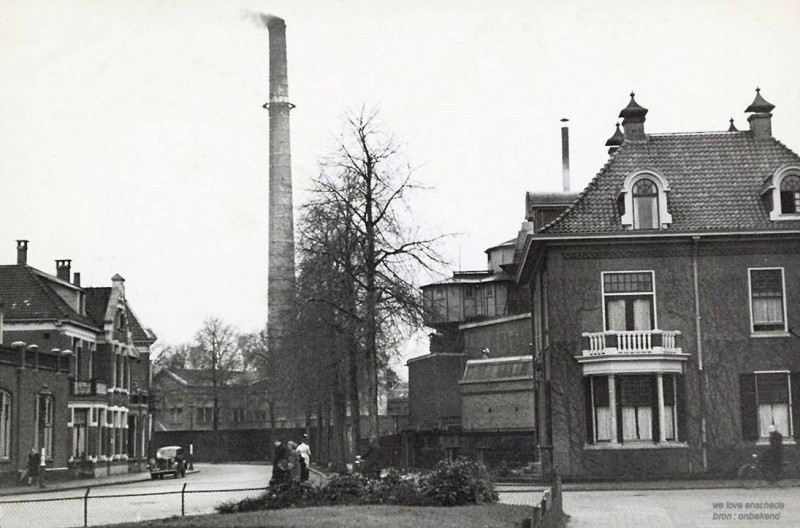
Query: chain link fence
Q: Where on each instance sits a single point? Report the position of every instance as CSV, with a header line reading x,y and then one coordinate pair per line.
x,y
90,507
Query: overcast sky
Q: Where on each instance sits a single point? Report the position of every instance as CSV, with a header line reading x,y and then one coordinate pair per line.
x,y
133,139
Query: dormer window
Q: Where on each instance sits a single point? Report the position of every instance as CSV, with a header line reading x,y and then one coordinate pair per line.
x,y
643,202
781,193
790,194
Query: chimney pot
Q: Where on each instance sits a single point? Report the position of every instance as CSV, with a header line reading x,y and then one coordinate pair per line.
x,y
76,279
63,267
22,252
760,119
633,117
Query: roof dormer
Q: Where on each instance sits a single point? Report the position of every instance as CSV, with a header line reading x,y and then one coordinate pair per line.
x,y
782,193
643,201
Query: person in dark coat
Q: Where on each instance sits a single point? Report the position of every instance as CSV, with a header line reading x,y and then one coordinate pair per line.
x,y
280,464
34,459
775,455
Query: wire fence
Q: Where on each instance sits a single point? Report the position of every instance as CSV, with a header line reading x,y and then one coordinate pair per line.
x,y
92,509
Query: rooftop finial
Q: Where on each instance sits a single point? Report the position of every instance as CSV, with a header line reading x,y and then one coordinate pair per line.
x,y
760,105
732,128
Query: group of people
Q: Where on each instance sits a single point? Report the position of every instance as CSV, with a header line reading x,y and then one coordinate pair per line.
x,y
290,461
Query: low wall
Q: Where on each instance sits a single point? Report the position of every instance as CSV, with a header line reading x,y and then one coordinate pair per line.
x,y
244,445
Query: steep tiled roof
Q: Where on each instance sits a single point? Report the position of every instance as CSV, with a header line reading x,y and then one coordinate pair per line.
x,y
26,295
714,178
96,304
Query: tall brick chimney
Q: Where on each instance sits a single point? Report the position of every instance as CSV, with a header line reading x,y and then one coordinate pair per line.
x,y
22,251
63,269
281,272
761,118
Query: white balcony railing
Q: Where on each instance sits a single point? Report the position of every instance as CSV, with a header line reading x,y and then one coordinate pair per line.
x,y
631,342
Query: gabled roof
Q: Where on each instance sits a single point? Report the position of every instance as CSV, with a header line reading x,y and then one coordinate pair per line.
x,y
202,378
28,295
97,303
715,179
97,300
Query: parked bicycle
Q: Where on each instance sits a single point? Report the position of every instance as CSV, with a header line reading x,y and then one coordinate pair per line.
x,y
757,469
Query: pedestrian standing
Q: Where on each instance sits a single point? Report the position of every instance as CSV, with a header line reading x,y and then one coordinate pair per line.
x,y
280,464
775,454
305,458
294,461
33,465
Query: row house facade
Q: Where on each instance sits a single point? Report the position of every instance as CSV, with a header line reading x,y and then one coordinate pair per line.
x,y
106,412
665,305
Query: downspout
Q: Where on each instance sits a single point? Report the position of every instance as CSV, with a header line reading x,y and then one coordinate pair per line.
x,y
699,344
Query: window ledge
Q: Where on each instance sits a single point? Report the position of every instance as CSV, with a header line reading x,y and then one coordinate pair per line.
x,y
635,445
785,216
787,440
759,335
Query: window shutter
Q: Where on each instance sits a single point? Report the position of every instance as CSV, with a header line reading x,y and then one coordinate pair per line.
x,y
795,377
618,410
587,399
680,401
747,394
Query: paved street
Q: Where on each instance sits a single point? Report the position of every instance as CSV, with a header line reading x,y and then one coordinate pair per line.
x,y
65,508
683,508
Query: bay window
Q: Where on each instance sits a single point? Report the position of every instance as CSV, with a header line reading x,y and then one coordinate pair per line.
x,y
633,408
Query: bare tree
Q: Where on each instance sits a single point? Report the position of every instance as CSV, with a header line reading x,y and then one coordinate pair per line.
x,y
361,225
219,355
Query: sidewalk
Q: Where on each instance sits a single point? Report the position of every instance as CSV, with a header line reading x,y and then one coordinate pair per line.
x,y
122,478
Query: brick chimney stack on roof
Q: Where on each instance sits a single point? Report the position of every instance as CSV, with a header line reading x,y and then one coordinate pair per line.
x,y
22,251
761,118
633,120
63,269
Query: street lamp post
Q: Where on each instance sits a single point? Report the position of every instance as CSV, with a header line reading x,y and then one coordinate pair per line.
x,y
191,437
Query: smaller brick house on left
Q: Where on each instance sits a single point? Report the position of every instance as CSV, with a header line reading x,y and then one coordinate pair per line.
x,y
74,374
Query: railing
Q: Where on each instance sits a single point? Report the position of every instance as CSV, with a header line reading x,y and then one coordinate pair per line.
x,y
34,359
631,342
90,387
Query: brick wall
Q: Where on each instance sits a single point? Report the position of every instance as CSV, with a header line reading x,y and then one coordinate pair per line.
x,y
433,390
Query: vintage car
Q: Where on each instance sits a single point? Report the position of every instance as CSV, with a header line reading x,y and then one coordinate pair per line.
x,y
168,461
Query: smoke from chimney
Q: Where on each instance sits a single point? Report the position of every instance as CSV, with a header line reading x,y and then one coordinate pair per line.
x,y
281,272
565,155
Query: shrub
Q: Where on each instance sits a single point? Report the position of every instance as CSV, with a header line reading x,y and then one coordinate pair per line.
x,y
346,489
449,484
457,483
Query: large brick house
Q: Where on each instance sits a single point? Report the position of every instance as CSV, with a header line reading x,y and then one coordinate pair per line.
x,y
666,305
101,419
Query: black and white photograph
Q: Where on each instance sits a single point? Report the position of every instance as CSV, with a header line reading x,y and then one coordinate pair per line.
x,y
446,263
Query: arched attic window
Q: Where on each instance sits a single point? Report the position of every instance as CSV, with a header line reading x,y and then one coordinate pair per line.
x,y
790,194
784,191
643,201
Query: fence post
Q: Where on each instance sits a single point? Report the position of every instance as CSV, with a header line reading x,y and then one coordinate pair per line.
x,y
86,508
183,500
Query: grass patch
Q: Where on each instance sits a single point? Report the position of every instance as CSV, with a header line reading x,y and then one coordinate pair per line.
x,y
478,516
